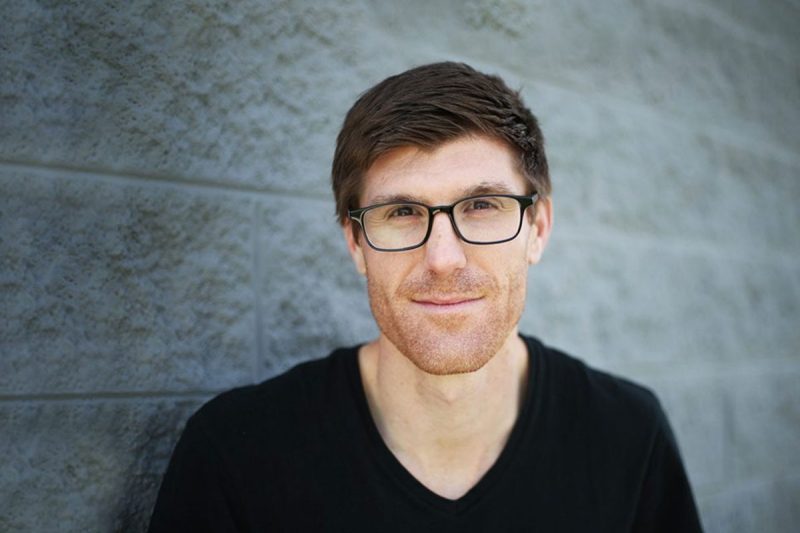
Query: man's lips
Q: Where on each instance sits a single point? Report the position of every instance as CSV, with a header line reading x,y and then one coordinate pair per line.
x,y
445,302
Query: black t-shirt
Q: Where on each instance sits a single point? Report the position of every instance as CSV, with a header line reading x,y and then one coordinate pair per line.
x,y
300,452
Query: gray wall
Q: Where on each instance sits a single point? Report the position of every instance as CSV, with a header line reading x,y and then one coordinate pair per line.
x,y
167,231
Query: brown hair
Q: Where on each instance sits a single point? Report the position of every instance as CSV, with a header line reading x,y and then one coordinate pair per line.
x,y
426,107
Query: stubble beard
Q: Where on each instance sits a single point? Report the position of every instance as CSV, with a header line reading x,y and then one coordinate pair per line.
x,y
446,344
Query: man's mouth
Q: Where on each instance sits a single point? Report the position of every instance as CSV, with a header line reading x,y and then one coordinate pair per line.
x,y
446,303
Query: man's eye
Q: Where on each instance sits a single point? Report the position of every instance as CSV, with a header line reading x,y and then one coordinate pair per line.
x,y
403,211
481,204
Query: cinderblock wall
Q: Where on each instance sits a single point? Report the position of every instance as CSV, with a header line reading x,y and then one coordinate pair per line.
x,y
167,231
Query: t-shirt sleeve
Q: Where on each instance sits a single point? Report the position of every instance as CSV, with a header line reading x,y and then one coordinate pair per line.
x,y
666,503
196,493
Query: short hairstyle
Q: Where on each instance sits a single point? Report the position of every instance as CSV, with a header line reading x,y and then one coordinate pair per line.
x,y
426,107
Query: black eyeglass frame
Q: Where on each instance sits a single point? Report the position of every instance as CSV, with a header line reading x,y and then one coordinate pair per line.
x,y
523,200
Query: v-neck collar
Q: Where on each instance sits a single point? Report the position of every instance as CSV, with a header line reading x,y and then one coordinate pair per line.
x,y
410,485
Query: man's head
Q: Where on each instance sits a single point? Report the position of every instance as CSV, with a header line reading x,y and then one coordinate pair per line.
x,y
439,135
425,107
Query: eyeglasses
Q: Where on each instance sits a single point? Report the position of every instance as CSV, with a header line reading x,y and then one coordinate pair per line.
x,y
485,219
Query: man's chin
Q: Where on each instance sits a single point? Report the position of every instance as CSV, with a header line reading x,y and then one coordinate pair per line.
x,y
447,354
448,368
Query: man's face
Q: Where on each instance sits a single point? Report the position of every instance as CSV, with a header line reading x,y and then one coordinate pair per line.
x,y
449,306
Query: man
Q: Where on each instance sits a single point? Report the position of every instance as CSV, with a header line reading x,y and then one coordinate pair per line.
x,y
449,420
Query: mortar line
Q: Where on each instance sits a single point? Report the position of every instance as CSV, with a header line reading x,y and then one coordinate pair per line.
x,y
133,177
708,370
103,396
713,489
681,245
698,371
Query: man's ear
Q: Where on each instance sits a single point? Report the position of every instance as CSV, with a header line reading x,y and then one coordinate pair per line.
x,y
540,230
351,235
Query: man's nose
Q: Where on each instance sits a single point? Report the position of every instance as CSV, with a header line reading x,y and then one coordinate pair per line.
x,y
444,251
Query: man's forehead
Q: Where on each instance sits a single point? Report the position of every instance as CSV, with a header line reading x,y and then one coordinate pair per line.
x,y
464,167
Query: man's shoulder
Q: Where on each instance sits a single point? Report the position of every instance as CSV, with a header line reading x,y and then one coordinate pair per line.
x,y
579,386
280,403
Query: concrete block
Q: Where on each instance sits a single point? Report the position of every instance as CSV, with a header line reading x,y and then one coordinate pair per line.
x,y
123,287
685,59
636,302
311,298
761,505
621,168
761,193
734,73
767,309
769,27
626,302
250,93
636,172
764,425
85,465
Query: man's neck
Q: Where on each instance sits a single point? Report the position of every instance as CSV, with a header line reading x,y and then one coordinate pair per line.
x,y
447,431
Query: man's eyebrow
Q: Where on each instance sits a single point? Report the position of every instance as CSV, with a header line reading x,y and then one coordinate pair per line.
x,y
488,187
395,198
484,187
